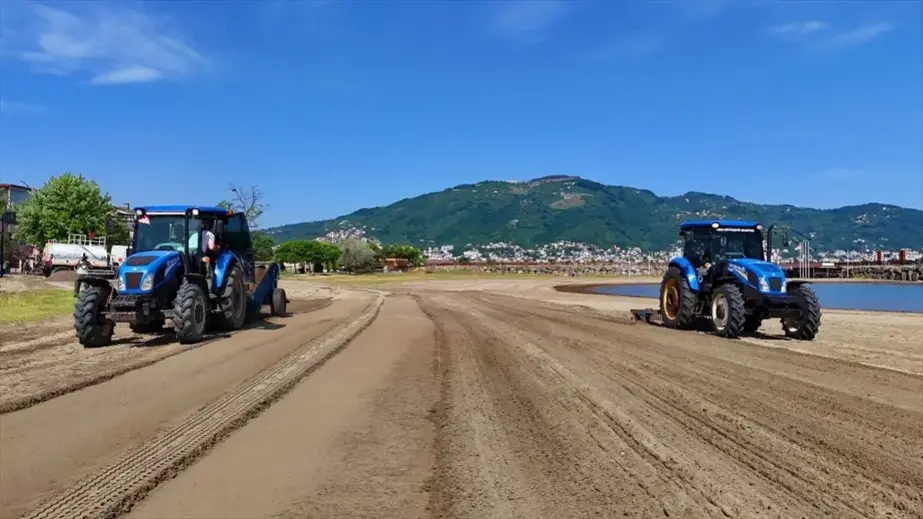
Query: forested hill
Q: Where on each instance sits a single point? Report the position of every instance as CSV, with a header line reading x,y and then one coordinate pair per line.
x,y
556,208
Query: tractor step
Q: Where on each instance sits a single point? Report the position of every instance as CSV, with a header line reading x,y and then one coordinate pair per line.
x,y
644,314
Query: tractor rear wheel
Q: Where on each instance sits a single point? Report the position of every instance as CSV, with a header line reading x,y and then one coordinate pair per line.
x,y
233,311
278,305
728,313
677,300
190,312
806,327
93,329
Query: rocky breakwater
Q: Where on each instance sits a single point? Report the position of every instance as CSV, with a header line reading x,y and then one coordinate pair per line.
x,y
555,269
885,272
877,272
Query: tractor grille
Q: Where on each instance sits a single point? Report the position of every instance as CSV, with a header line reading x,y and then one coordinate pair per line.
x,y
140,261
775,284
133,280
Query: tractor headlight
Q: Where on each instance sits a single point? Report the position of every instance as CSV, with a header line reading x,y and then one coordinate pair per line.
x,y
764,285
121,284
148,282
784,282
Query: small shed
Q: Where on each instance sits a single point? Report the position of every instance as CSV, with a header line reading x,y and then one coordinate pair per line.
x,y
397,265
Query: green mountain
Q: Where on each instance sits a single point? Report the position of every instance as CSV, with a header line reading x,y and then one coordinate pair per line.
x,y
554,208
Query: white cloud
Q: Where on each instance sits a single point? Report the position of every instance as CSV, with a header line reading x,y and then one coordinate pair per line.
x,y
526,19
822,37
132,74
20,108
798,29
858,36
111,42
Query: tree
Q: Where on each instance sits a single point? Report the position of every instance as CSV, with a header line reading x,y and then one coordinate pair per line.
x,y
359,256
331,254
247,200
117,231
291,252
66,204
407,252
262,245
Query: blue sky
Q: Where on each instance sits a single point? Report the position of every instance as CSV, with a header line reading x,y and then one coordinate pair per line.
x,y
332,106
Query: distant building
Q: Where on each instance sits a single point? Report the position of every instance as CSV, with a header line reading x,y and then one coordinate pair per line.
x,y
14,195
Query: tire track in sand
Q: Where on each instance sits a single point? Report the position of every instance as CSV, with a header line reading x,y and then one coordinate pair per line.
x,y
813,448
112,491
41,363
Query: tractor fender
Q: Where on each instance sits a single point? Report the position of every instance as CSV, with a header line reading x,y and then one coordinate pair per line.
x,y
223,266
685,266
796,283
94,281
197,279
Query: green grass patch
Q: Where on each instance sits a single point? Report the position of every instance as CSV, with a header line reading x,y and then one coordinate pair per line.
x,y
35,305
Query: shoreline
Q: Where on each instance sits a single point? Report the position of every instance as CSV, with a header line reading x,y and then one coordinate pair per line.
x,y
589,289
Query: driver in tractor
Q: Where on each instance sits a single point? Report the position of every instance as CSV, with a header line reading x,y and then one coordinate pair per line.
x,y
207,237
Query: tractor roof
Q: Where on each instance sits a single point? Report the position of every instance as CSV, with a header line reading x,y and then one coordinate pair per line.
x,y
708,224
203,209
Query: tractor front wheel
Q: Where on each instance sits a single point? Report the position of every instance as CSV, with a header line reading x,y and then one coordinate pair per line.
x,y
728,313
93,329
190,312
677,300
233,303
806,327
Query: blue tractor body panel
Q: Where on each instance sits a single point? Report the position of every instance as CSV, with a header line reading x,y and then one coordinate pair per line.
x,y
685,266
138,268
769,277
262,295
223,266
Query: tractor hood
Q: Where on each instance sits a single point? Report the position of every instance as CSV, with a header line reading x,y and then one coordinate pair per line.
x,y
145,271
764,276
759,267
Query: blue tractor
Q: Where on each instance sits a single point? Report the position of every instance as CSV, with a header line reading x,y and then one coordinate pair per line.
x,y
724,277
171,273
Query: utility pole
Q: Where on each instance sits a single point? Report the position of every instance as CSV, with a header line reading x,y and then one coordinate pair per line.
x,y
5,217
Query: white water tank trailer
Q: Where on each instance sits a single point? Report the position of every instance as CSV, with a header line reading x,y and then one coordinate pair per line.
x,y
66,254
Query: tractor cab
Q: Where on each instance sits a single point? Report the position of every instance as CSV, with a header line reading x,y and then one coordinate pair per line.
x,y
710,242
718,249
177,235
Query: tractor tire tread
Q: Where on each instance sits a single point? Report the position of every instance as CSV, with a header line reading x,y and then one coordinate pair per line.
x,y
279,302
686,315
737,312
237,321
91,333
184,313
809,325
